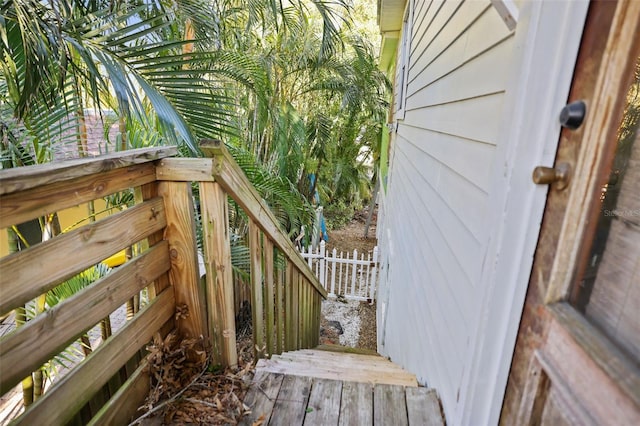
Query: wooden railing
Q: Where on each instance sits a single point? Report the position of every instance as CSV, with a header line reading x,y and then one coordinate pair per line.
x,y
108,386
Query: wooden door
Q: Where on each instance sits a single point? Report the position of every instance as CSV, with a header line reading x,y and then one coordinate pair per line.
x,y
577,354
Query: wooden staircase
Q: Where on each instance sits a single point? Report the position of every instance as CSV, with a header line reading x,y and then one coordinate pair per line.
x,y
331,386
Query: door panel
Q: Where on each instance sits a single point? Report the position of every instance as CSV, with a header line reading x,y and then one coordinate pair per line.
x,y
577,354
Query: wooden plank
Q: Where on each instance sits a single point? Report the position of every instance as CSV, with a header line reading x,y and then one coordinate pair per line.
x,y
257,307
295,308
185,169
598,370
269,294
24,178
124,404
236,184
149,192
356,406
316,369
261,397
324,403
27,274
184,275
389,406
61,403
219,281
423,407
280,310
288,318
291,403
22,206
37,341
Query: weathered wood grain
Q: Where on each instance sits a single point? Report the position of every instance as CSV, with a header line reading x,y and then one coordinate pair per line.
x,y
598,370
356,407
219,281
185,169
269,294
31,203
24,178
423,407
257,307
37,341
236,184
123,405
183,275
323,407
280,306
389,406
261,397
288,307
27,274
76,388
291,403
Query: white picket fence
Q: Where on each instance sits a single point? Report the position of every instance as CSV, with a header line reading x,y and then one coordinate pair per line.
x,y
341,275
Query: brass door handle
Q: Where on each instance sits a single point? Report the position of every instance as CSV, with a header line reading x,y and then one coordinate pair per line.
x,y
547,175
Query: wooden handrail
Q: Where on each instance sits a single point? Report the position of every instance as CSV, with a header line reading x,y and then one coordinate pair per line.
x,y
23,178
229,175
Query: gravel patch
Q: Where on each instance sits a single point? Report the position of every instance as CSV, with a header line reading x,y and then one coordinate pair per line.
x,y
347,314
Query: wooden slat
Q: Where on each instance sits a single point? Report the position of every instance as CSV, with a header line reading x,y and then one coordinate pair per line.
x,y
21,206
185,169
356,406
75,389
149,192
219,281
257,311
124,404
269,294
24,178
184,275
32,272
389,406
261,397
236,184
295,309
288,319
37,341
324,403
423,407
280,334
290,406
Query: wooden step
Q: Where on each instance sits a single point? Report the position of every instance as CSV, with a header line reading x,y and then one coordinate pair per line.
x,y
337,366
362,364
276,399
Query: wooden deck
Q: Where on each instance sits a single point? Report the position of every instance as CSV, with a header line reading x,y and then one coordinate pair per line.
x,y
313,387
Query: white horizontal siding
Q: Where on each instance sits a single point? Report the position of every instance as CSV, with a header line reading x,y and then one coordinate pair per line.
x,y
439,188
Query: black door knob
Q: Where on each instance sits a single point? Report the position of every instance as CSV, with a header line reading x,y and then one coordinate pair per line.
x,y
572,115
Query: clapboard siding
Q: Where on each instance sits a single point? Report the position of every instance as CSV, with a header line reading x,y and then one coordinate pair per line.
x,y
454,213
438,38
485,32
465,157
462,83
445,253
471,118
440,184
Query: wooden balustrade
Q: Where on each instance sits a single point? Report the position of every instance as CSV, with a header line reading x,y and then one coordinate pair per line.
x,y
110,383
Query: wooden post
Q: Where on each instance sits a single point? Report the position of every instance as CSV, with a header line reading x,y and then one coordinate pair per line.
x,y
295,306
374,271
269,294
322,277
184,277
288,310
219,280
257,313
280,335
